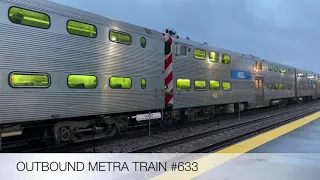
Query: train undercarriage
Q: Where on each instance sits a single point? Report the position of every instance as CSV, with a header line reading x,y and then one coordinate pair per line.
x,y
74,131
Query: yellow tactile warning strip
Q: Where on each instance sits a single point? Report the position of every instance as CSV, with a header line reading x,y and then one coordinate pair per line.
x,y
215,159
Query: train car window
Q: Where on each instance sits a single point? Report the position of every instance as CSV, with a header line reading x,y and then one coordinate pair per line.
x,y
120,83
143,42
276,86
280,86
285,86
283,70
81,29
29,18
214,85
200,85
214,57
167,48
257,83
226,59
271,86
120,37
275,68
270,67
78,81
258,65
226,86
29,80
182,50
199,54
143,83
260,83
183,85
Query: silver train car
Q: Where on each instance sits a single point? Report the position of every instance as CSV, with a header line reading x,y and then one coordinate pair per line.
x,y
307,85
81,73
209,80
59,62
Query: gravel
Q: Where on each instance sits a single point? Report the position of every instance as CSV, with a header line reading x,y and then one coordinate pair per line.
x,y
209,140
130,144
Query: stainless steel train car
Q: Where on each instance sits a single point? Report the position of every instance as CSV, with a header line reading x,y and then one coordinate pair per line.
x,y
63,63
207,80
306,84
80,73
317,85
280,83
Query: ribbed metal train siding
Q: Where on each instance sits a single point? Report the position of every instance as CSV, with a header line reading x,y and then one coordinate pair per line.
x,y
30,49
193,69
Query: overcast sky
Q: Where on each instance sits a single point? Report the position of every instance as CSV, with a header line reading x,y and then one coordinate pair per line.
x,y
285,31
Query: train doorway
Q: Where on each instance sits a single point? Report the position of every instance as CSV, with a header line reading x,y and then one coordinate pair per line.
x,y
315,89
259,91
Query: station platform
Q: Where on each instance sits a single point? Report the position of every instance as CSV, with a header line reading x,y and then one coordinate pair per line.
x,y
290,152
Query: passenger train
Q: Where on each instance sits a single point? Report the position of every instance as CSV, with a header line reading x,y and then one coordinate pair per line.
x,y
82,73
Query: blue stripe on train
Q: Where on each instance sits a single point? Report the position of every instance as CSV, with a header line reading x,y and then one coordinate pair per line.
x,y
240,74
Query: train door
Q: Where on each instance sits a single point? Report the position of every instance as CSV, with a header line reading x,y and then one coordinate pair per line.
x,y
259,91
315,87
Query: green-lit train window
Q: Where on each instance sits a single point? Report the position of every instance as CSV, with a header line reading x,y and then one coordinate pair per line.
x,y
226,86
283,70
200,85
143,42
120,82
281,86
199,54
214,85
270,67
29,80
276,86
143,83
29,18
226,59
82,81
120,37
271,86
275,68
183,85
214,57
81,29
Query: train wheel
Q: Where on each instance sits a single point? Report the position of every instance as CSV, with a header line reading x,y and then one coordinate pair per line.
x,y
48,137
113,131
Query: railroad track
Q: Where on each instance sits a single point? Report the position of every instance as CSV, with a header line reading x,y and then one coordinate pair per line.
x,y
76,147
179,141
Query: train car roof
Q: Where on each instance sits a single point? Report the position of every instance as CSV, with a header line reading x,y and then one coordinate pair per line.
x,y
80,15
221,50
